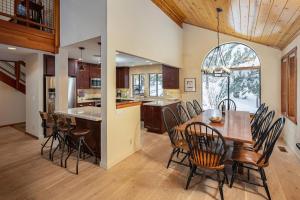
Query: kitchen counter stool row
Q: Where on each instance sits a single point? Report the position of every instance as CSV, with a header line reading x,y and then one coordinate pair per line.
x,y
64,130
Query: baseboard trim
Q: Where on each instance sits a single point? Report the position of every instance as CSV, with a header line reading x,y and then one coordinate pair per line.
x,y
30,135
2,126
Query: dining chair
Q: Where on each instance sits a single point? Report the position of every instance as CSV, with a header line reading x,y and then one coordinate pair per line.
x,y
191,109
197,107
258,111
207,150
257,161
228,103
259,118
177,139
259,135
182,113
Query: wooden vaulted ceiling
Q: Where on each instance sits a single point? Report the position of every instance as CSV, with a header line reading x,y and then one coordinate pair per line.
x,y
270,22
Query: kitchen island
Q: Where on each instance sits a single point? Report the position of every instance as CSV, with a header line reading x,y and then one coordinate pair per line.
x,y
88,117
152,114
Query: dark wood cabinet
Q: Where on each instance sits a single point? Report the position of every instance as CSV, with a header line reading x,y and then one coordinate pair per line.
x,y
170,77
72,67
49,65
95,71
83,78
122,77
153,117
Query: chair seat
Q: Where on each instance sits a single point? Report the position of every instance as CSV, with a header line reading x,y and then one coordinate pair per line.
x,y
80,132
182,144
247,157
207,160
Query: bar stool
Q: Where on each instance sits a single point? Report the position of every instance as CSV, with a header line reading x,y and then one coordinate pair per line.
x,y
75,139
48,132
61,129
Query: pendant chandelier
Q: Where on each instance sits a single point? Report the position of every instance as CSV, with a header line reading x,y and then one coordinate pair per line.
x,y
217,66
81,64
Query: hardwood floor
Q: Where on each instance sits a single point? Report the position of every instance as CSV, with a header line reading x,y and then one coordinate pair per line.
x,y
25,174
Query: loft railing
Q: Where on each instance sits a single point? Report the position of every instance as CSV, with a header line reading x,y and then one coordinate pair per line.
x,y
37,14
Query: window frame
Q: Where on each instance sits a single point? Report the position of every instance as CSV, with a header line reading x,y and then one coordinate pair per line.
x,y
236,69
156,76
288,90
139,85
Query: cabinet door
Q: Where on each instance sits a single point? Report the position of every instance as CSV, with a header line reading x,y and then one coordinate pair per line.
x,y
122,77
170,77
72,67
49,65
95,71
83,78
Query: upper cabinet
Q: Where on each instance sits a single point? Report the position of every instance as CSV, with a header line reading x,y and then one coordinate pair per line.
x,y
83,78
95,71
122,77
72,67
49,65
170,77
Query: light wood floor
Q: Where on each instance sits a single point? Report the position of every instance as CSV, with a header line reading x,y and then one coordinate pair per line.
x,y
25,174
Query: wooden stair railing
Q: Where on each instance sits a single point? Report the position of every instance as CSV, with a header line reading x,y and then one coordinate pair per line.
x,y
12,79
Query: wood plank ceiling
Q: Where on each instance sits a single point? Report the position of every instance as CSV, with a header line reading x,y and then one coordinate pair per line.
x,y
270,22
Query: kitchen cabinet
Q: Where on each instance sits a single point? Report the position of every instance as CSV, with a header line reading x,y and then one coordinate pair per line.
x,y
153,117
170,77
95,71
49,65
122,77
72,67
83,78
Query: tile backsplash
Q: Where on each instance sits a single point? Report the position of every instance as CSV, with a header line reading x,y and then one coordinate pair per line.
x,y
88,93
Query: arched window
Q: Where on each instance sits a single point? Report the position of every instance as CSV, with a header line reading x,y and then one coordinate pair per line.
x,y
242,85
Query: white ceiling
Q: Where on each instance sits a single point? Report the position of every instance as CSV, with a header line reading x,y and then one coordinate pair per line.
x,y
18,54
92,51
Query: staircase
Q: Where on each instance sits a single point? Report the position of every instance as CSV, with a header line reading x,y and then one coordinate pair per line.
x,y
13,74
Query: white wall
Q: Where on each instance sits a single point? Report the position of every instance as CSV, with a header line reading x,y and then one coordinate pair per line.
x,y
292,131
34,93
197,44
12,106
61,80
80,20
136,27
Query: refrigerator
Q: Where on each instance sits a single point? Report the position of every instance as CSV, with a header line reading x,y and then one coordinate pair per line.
x,y
72,92
50,94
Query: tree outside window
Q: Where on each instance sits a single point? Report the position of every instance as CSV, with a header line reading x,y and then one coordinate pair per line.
x,y
243,84
138,84
155,85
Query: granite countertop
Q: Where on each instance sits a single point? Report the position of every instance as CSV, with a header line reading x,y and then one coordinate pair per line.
x,y
88,113
161,102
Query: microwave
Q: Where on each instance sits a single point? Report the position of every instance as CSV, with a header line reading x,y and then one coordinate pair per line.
x,y
95,82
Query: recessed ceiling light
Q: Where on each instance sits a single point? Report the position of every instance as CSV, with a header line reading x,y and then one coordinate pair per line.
x,y
79,59
12,48
148,61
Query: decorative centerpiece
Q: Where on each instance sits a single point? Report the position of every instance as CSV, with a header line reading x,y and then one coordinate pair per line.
x,y
216,117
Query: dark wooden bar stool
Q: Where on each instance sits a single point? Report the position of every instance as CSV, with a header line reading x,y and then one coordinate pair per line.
x,y
48,132
75,140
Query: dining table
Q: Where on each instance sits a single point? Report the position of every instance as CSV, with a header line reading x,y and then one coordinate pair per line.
x,y
235,125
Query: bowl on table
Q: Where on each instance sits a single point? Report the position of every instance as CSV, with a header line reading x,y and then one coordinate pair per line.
x,y
216,119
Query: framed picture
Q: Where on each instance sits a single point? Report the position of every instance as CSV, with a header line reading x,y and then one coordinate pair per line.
x,y
190,84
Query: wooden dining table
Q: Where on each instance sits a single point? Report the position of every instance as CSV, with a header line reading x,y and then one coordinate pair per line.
x,y
235,125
